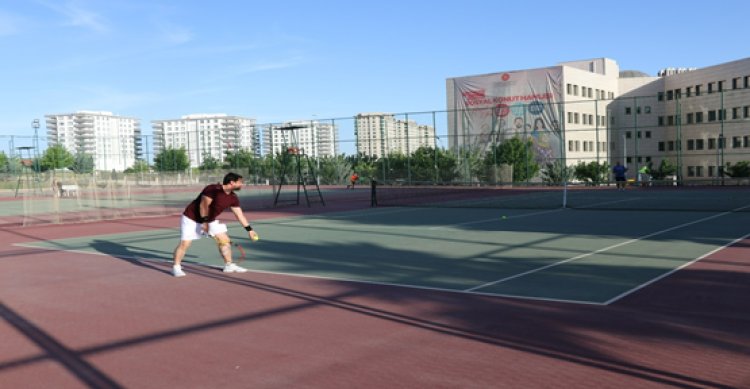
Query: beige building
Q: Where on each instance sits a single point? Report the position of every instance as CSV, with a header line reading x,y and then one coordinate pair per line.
x,y
697,119
113,141
379,134
206,135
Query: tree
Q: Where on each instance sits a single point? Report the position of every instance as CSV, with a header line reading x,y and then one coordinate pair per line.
x,y
209,163
739,169
554,173
4,162
334,170
592,173
171,159
514,152
56,157
140,166
82,163
666,168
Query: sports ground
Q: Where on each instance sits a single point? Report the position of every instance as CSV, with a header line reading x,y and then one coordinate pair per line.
x,y
346,295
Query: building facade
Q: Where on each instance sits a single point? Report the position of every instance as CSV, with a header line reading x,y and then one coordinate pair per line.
x,y
313,138
207,135
380,134
696,119
114,142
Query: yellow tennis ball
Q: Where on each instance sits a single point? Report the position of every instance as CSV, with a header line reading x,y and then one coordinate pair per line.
x,y
256,237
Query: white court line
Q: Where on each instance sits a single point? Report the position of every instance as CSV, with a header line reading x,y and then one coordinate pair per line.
x,y
667,274
495,219
376,283
599,251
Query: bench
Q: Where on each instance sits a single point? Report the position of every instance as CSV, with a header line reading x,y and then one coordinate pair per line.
x,y
67,190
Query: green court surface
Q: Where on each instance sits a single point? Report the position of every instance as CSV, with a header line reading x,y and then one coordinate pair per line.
x,y
592,257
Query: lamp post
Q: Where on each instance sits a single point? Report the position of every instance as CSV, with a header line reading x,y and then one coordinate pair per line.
x,y
35,126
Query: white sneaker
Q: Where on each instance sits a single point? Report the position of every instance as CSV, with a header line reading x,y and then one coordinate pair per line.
x,y
177,271
232,268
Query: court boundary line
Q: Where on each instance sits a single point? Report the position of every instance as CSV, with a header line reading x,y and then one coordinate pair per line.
x,y
604,249
312,276
669,273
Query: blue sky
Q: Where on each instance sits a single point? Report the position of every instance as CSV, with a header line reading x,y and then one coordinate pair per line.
x,y
277,61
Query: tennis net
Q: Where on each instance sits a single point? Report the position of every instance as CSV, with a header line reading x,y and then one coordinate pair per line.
x,y
733,196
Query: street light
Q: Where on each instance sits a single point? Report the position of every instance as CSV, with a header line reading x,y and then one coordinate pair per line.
x,y
35,125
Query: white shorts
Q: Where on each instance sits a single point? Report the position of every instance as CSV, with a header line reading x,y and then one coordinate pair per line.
x,y
190,230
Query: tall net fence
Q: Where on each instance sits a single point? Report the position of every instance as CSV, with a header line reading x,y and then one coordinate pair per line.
x,y
683,149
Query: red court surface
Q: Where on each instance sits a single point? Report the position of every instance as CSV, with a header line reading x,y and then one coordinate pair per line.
x,y
74,320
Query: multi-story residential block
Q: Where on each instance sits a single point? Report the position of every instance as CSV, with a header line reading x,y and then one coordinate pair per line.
x,y
206,135
313,138
379,134
113,141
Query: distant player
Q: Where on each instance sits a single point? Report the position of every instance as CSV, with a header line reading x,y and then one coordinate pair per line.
x,y
199,219
352,180
619,172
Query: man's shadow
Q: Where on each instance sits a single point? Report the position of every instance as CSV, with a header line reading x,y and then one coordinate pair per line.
x,y
159,261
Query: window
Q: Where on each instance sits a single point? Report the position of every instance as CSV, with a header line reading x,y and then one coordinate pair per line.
x,y
699,144
570,117
711,143
591,119
661,146
677,93
575,90
721,86
576,118
660,120
691,144
690,118
648,134
670,120
647,109
746,141
691,171
736,83
699,117
736,142
746,111
699,171
688,91
638,134
736,113
712,116
570,89
670,145
722,114
697,90
570,145
747,81
627,111
628,135
670,95
711,87
660,96
638,110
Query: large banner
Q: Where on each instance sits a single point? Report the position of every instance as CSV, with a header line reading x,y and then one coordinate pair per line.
x,y
489,109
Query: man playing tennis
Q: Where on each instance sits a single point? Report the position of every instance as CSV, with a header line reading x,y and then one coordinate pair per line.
x,y
199,219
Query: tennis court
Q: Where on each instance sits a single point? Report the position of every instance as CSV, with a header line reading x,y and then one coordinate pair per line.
x,y
562,255
347,295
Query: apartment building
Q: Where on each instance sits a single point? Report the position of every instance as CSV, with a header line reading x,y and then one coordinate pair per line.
x,y
379,134
113,141
206,135
313,138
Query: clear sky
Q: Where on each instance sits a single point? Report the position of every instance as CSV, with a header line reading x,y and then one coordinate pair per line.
x,y
318,59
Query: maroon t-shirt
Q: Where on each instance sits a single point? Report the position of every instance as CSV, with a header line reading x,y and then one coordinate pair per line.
x,y
221,201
